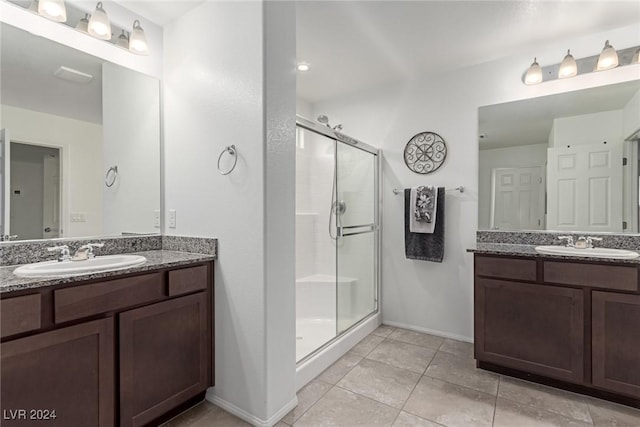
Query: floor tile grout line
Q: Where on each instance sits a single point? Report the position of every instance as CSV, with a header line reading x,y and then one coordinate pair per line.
x,y
543,409
458,385
422,417
368,398
415,345
495,402
314,403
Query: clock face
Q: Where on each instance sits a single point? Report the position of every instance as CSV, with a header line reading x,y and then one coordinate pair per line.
x,y
425,152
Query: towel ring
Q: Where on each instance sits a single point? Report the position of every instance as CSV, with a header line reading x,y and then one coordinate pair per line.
x,y
113,173
231,149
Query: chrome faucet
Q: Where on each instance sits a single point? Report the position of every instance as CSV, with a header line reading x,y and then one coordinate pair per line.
x,y
581,243
569,240
8,237
64,252
86,252
590,241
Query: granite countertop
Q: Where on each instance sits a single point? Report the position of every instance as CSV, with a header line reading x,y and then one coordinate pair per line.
x,y
155,260
530,251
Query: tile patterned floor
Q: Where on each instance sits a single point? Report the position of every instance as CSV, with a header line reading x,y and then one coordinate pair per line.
x,y
400,378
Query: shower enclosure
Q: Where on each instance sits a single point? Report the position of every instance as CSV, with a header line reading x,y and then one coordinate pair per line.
x,y
336,234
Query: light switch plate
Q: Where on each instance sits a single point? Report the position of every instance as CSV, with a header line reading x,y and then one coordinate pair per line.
x,y
78,217
172,218
156,218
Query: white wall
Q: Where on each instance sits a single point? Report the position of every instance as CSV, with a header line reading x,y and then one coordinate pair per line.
x,y
66,35
215,96
517,156
131,129
439,297
631,116
81,144
591,128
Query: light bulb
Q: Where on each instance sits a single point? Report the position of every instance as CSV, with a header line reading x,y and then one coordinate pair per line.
x,y
568,67
534,73
137,40
99,25
303,66
608,58
636,57
53,9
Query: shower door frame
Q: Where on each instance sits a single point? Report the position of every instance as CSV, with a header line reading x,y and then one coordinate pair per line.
x,y
341,137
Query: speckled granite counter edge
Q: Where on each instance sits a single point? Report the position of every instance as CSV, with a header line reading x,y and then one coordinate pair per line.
x,y
508,249
156,259
609,240
25,252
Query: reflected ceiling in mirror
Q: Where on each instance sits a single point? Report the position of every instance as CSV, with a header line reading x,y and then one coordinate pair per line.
x,y
67,117
556,162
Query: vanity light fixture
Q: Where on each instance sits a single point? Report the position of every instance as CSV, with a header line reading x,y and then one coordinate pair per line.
x,y
568,67
123,40
99,25
137,40
534,74
53,9
608,58
83,24
303,66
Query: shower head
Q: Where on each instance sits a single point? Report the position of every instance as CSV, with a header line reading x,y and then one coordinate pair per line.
x,y
323,119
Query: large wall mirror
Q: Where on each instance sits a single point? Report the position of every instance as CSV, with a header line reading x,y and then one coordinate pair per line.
x,y
565,162
80,143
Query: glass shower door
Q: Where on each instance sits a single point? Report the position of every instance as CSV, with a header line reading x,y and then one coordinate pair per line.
x,y
356,220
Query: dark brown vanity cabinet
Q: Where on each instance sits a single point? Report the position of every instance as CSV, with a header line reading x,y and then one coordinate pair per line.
x,y
574,322
60,378
616,342
164,357
118,352
530,327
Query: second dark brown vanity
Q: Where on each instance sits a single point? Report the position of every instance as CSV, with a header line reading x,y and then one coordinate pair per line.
x,y
119,351
568,323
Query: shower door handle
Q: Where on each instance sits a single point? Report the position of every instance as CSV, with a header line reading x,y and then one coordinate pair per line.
x,y
352,230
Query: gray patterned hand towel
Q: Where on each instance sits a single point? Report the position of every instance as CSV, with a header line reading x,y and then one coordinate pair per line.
x,y
424,209
425,203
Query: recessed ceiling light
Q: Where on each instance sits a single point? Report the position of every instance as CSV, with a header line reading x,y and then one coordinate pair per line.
x,y
303,66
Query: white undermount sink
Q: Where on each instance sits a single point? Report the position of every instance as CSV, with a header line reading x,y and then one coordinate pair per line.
x,y
72,268
589,252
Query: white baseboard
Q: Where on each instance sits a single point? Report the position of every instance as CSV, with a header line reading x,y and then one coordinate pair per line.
x,y
244,415
428,331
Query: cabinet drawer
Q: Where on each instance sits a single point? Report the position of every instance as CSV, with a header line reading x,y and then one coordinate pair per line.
x,y
187,280
102,297
20,314
505,268
593,275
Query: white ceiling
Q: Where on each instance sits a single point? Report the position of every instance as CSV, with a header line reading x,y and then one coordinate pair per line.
x,y
160,12
529,121
28,63
355,45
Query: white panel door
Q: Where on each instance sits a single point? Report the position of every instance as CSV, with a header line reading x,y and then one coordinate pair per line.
x,y
584,185
51,197
5,173
517,199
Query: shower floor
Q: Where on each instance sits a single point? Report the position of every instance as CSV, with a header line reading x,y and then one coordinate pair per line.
x,y
312,334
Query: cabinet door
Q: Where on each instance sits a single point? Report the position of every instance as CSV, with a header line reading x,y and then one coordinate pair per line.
x,y
164,351
616,342
533,328
69,371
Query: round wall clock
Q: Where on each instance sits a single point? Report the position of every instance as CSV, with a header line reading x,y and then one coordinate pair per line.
x,y
425,152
